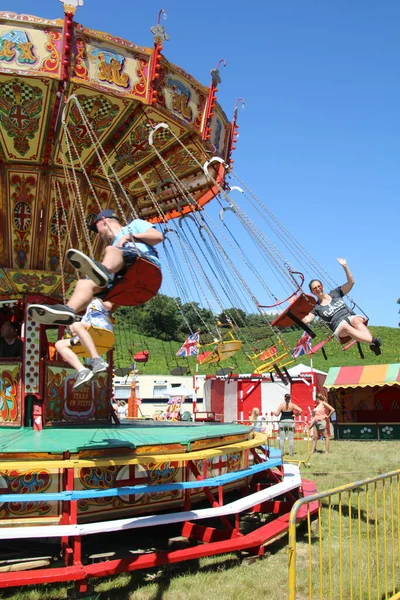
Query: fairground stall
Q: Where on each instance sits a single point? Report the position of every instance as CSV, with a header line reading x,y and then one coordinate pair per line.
x,y
233,397
367,401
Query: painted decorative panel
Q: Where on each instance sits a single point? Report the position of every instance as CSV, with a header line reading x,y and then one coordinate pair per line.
x,y
10,394
29,50
24,104
32,356
64,405
23,189
359,431
111,67
220,133
102,112
29,482
133,151
181,95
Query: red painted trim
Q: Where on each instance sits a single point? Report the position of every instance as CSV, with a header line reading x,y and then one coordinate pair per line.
x,y
66,47
208,195
253,540
211,101
154,75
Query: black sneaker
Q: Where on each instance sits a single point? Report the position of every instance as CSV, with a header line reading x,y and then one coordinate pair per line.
x,y
375,347
56,314
93,269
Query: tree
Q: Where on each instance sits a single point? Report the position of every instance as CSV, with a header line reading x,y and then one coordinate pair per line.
x,y
161,318
196,317
236,315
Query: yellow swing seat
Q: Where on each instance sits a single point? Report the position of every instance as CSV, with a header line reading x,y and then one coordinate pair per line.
x,y
222,351
103,339
279,361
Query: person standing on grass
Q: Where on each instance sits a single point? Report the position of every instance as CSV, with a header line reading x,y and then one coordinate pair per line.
x,y
322,413
286,412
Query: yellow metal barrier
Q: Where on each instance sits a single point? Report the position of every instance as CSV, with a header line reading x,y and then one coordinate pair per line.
x,y
352,550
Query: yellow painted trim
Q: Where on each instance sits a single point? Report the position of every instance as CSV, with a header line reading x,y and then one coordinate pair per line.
x,y
182,457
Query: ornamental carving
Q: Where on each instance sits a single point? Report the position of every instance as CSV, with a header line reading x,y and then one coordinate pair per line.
x,y
16,46
20,107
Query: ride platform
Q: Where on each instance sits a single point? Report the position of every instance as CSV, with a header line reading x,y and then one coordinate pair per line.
x,y
134,437
199,483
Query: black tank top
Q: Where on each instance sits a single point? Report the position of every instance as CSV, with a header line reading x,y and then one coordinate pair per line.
x,y
287,415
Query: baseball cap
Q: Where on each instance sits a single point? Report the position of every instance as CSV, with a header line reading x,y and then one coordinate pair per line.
x,y
108,213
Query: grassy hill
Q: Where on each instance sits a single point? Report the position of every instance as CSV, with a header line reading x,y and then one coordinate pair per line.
x,y
162,354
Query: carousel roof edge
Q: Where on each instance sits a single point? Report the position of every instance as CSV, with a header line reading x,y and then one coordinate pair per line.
x,y
32,19
190,78
363,376
113,39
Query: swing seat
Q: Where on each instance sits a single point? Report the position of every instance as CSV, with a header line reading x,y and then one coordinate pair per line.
x,y
319,346
103,339
297,310
274,360
222,351
139,284
141,357
269,352
202,356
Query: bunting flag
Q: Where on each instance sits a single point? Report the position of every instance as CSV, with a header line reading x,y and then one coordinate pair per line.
x,y
303,346
190,346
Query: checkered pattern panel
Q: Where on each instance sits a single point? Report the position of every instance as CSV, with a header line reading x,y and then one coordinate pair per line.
x,y
162,134
87,105
26,91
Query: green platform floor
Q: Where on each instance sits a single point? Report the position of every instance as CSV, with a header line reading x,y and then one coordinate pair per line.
x,y
54,440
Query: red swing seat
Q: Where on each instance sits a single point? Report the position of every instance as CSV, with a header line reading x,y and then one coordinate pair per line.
x,y
139,284
299,308
141,357
347,343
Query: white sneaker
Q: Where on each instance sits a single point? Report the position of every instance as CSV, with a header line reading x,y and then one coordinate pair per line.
x,y
84,376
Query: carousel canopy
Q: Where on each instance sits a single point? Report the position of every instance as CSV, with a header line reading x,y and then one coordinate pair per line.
x,y
363,376
123,91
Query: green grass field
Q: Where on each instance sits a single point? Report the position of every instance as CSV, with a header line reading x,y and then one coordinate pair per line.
x,y
225,577
162,354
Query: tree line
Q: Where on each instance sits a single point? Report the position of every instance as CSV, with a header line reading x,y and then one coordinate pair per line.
x,y
168,319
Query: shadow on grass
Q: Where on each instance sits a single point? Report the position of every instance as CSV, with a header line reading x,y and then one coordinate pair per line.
x,y
353,513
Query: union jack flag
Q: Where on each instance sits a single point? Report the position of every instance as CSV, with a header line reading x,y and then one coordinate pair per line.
x,y
191,345
303,346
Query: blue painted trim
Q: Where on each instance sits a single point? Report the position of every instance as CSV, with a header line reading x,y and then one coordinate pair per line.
x,y
143,489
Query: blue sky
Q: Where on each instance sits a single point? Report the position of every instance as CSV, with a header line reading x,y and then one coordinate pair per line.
x,y
319,136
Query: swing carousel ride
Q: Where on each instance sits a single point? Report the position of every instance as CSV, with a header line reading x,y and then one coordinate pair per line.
x,y
87,122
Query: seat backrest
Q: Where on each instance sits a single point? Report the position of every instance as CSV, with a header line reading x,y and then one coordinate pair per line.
x,y
300,307
139,284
